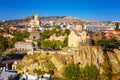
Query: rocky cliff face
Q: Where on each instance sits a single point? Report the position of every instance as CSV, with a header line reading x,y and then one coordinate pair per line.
x,y
57,62
95,55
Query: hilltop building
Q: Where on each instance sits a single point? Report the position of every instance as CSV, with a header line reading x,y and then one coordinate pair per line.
x,y
35,23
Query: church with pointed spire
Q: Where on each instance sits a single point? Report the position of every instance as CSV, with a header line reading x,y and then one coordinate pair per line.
x,y
35,23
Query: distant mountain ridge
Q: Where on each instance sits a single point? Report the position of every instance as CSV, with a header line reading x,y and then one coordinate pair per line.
x,y
59,19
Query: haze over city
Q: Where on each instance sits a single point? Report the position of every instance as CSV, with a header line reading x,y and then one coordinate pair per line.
x,y
105,10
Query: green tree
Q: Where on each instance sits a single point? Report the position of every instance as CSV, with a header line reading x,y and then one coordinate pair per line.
x,y
16,39
48,44
51,72
46,34
44,44
58,44
38,71
25,34
10,43
65,42
1,52
107,46
67,31
72,72
19,36
3,44
117,26
39,43
91,72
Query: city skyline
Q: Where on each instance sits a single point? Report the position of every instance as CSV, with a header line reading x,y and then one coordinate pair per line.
x,y
102,10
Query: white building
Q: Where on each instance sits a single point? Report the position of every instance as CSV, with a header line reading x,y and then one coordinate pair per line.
x,y
97,28
26,46
45,77
5,75
35,23
51,23
33,77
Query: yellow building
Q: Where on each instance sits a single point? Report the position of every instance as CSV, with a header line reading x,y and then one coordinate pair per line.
x,y
79,27
54,37
77,36
35,23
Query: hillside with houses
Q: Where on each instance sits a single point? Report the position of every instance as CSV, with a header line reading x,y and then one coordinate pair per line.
x,y
49,45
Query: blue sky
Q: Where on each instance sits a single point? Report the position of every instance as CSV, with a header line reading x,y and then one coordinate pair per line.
x,y
84,9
